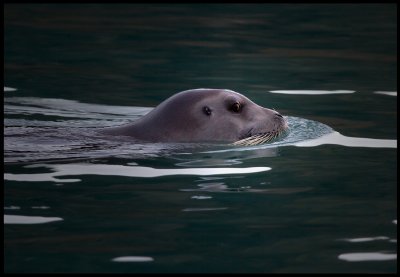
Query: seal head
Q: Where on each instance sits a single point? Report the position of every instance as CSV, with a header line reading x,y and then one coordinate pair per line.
x,y
206,115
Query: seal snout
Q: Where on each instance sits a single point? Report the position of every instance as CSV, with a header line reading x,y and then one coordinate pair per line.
x,y
278,117
282,121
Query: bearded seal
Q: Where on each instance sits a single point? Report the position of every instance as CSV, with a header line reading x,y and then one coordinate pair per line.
x,y
206,115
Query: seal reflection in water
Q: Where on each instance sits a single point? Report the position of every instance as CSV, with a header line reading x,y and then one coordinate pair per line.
x,y
206,115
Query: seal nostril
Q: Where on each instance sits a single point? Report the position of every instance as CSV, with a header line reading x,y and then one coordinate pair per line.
x,y
207,110
279,115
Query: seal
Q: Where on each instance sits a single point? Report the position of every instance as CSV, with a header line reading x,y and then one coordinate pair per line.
x,y
206,115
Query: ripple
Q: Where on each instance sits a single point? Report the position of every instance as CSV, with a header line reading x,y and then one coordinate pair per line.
x,y
213,162
70,108
221,187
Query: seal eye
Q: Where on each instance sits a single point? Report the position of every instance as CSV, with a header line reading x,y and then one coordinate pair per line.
x,y
207,110
236,107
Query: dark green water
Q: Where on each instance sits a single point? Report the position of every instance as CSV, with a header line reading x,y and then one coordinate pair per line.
x,y
77,203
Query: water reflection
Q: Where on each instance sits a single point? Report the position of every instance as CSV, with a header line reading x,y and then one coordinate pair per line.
x,y
22,219
9,89
390,93
133,259
312,92
339,139
326,92
201,197
223,155
366,239
367,256
204,209
120,170
12,208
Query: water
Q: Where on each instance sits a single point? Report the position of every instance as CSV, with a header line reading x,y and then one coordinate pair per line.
x,y
321,199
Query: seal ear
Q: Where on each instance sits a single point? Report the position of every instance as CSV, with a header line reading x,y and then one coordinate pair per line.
x,y
207,110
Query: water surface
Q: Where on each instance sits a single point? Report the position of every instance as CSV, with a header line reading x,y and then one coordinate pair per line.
x,y
321,199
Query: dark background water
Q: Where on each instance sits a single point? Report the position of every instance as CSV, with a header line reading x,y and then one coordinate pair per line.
x,y
138,55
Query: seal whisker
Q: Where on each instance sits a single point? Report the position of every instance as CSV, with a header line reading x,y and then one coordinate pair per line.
x,y
260,138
